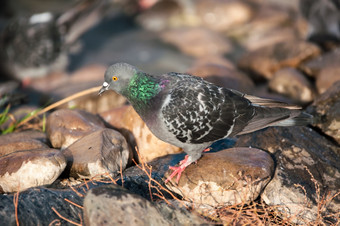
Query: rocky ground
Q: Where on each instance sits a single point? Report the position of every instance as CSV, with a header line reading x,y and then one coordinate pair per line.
x,y
93,161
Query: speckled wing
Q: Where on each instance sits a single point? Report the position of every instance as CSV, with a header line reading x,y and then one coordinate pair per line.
x,y
197,112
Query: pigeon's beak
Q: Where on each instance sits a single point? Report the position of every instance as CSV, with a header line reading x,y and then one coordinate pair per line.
x,y
104,88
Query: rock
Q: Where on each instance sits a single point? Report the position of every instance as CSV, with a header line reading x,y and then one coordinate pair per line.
x,y
35,207
326,110
176,214
66,126
218,15
197,42
290,82
265,61
221,15
299,154
118,206
223,76
20,141
269,25
162,15
128,122
24,169
326,78
313,67
98,153
227,177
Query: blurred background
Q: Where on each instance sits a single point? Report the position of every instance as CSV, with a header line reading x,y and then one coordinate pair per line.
x,y
52,49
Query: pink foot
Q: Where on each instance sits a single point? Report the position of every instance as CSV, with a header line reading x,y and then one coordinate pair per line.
x,y
177,170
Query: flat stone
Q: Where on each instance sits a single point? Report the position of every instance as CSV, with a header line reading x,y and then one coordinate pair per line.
x,y
19,141
227,177
265,61
292,83
24,169
66,126
102,152
326,110
223,76
307,170
197,42
128,122
117,206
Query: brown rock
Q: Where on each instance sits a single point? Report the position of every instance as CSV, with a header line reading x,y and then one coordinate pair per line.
x,y
65,126
197,42
231,176
223,76
292,83
269,25
221,15
128,122
315,66
327,77
264,62
326,110
307,170
98,153
119,206
24,169
20,141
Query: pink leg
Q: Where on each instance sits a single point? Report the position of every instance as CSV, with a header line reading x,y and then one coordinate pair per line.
x,y
178,169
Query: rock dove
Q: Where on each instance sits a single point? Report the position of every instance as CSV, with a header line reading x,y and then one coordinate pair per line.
x,y
323,19
188,112
39,44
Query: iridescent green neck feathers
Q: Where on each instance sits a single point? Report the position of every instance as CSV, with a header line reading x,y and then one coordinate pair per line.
x,y
142,88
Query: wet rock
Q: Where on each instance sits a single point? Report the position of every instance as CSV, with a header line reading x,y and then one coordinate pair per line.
x,y
228,177
197,42
119,206
128,122
293,190
326,110
327,77
292,83
223,76
98,153
265,61
20,141
25,169
66,126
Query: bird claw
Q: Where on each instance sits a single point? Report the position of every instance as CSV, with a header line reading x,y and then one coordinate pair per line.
x,y
177,170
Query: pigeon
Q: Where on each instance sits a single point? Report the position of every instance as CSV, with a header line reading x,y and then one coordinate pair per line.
x,y
36,45
191,113
323,18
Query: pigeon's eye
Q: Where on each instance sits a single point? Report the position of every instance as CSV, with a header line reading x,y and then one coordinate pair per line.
x,y
114,78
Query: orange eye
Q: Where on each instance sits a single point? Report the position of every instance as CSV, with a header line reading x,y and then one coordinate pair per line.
x,y
114,78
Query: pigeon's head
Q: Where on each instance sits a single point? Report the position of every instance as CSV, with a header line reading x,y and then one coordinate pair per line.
x,y
118,77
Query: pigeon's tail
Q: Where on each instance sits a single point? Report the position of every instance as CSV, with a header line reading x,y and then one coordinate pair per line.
x,y
302,119
274,113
